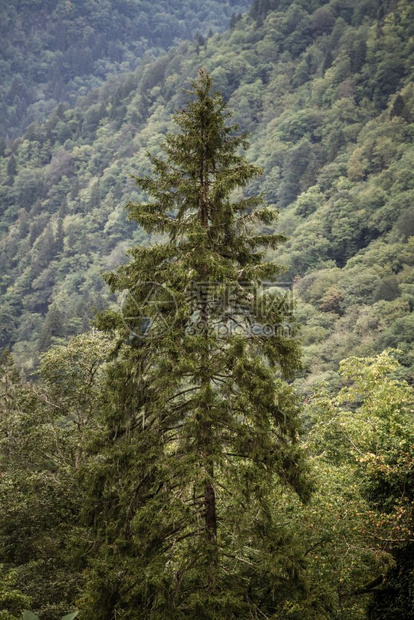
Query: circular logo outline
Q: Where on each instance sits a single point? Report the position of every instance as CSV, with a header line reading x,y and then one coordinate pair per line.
x,y
153,324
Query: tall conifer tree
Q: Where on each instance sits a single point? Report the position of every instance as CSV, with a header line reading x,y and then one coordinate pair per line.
x,y
202,427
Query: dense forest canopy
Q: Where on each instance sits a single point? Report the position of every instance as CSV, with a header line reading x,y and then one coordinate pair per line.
x,y
57,51
326,92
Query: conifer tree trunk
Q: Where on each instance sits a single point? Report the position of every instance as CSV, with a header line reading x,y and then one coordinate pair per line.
x,y
210,515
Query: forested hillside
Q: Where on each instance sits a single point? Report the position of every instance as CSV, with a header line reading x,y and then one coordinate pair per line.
x,y
57,51
326,93
116,449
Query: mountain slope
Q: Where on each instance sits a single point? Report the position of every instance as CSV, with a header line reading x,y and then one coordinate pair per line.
x,y
58,50
325,90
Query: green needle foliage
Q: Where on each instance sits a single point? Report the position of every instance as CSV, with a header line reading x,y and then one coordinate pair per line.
x,y
202,429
